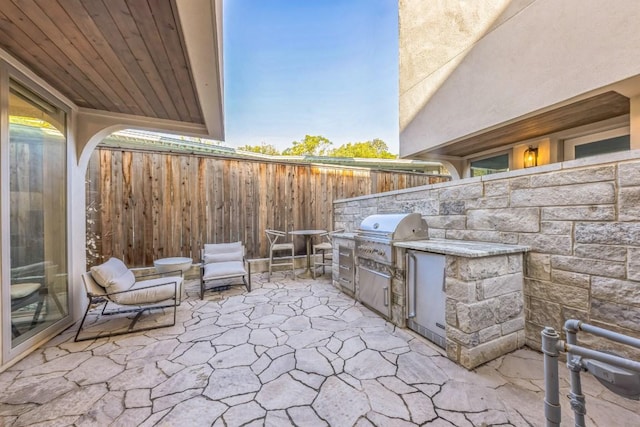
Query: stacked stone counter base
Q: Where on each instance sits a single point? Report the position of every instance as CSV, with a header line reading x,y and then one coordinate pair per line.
x,y
484,310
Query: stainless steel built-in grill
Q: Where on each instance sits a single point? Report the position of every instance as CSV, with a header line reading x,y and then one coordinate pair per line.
x,y
402,226
377,233
376,255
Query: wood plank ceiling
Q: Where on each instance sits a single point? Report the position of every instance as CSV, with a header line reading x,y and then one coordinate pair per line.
x,y
122,56
591,110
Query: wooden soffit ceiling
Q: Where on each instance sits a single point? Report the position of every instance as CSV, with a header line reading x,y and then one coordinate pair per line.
x,y
121,56
591,110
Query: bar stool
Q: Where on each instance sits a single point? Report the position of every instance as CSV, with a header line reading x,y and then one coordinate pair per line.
x,y
323,248
274,246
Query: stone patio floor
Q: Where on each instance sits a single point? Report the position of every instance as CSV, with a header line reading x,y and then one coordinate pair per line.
x,y
288,353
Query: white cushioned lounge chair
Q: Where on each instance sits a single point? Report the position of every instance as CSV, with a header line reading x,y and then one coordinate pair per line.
x,y
224,261
113,283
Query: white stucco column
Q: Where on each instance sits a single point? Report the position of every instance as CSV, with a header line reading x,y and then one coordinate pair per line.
x,y
455,167
634,122
77,230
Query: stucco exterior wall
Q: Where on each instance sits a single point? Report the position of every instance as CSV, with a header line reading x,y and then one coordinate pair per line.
x,y
434,38
581,220
506,60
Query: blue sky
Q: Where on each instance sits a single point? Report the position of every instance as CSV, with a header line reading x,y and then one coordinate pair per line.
x,y
318,67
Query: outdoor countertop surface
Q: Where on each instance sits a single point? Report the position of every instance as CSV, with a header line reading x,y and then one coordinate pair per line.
x,y
462,248
345,235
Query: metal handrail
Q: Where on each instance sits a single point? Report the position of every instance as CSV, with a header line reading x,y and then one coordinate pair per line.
x,y
552,345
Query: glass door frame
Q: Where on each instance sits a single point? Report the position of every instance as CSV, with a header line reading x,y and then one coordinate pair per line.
x,y
9,353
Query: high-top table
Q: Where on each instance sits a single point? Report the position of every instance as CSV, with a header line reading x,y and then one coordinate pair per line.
x,y
308,234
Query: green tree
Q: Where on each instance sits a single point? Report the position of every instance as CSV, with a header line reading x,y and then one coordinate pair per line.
x,y
376,149
309,146
262,149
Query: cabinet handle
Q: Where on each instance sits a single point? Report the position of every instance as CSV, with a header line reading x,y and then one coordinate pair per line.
x,y
386,295
410,259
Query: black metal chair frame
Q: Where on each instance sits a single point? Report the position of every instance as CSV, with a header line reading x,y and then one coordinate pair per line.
x,y
140,309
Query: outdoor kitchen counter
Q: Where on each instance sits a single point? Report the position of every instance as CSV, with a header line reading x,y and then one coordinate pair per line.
x,y
481,305
461,248
482,309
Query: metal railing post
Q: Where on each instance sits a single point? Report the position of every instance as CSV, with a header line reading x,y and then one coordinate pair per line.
x,y
551,383
574,363
618,374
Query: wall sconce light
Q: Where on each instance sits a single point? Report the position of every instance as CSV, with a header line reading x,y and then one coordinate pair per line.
x,y
530,157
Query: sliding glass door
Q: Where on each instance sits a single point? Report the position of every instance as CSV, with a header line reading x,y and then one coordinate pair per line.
x,y
37,155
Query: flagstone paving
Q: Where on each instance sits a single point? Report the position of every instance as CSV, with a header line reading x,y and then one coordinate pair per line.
x,y
288,353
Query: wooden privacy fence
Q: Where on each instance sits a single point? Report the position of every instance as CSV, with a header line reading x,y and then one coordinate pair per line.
x,y
144,205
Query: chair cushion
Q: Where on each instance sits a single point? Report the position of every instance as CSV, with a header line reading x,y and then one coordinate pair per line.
x,y
221,270
21,290
113,275
324,246
121,283
282,246
142,294
236,255
221,248
92,286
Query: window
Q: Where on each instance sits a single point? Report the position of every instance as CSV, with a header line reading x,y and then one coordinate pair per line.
x,y
610,145
599,143
37,154
490,165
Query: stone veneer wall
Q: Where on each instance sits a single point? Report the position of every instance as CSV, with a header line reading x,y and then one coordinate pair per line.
x,y
581,220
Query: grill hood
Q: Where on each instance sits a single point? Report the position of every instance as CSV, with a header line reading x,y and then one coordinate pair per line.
x,y
394,227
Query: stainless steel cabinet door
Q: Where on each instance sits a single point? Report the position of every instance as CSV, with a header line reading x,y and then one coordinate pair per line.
x,y
374,290
426,295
